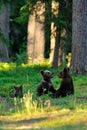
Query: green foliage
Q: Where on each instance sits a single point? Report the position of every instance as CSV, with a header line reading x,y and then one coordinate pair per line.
x,y
18,28
64,20
3,2
23,17
21,58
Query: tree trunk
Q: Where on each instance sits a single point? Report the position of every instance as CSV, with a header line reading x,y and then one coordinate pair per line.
x,y
36,41
56,48
47,28
79,37
4,31
54,10
55,36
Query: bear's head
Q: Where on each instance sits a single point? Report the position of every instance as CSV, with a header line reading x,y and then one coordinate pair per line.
x,y
64,73
47,75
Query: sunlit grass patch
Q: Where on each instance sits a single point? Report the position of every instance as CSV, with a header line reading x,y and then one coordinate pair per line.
x,y
28,105
7,66
67,113
64,118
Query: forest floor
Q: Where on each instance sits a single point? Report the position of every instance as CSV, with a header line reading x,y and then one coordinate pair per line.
x,y
69,113
61,118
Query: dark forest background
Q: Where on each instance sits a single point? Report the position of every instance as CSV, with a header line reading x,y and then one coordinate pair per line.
x,y
33,31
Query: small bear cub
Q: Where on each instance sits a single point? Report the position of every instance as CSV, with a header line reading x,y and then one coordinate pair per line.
x,y
46,85
17,92
66,86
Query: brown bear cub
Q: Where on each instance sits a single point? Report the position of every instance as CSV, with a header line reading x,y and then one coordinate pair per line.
x,y
46,85
66,86
18,91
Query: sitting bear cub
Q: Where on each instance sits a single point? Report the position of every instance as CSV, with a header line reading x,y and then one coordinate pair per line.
x,y
46,83
66,86
17,92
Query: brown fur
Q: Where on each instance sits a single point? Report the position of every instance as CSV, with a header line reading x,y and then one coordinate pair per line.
x,y
46,85
66,86
18,91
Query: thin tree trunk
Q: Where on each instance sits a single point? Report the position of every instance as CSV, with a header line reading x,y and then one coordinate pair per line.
x,y
54,10
56,49
48,7
57,34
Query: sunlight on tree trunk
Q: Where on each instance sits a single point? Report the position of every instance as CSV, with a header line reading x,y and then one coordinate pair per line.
x,y
56,48
52,42
4,31
31,37
55,37
79,37
36,41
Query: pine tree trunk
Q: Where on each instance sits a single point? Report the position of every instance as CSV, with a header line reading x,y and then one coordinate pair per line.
x,y
4,30
36,40
31,38
79,37
56,48
54,37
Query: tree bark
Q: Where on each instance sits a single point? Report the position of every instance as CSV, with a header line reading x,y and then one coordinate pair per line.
x,y
54,32
4,30
79,37
47,24
36,40
56,48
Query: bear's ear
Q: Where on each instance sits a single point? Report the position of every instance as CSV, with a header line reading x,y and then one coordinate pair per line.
x,y
65,70
15,87
20,86
42,72
68,69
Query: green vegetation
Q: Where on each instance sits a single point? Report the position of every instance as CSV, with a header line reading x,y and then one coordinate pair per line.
x,y
30,112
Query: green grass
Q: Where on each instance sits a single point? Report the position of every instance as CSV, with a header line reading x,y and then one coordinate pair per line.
x,y
69,113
